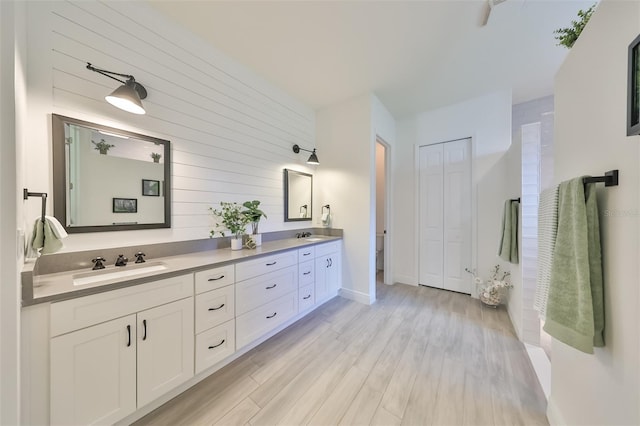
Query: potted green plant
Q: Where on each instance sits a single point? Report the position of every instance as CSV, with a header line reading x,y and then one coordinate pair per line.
x,y
254,214
230,217
156,157
567,36
102,146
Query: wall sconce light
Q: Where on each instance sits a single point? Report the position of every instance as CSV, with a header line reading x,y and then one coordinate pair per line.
x,y
313,158
128,96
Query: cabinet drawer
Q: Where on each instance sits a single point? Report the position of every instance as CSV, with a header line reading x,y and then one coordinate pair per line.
x,y
215,344
257,291
214,278
306,297
214,307
307,253
260,321
306,273
326,248
254,268
82,312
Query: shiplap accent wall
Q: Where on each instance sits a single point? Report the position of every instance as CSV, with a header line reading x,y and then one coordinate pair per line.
x,y
231,131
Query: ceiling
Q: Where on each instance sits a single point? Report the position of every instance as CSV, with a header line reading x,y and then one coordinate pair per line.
x,y
414,55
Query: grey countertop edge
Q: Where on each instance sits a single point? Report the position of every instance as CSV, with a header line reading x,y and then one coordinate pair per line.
x,y
195,262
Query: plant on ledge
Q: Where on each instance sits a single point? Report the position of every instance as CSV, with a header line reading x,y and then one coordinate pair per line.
x,y
230,217
567,36
102,146
254,214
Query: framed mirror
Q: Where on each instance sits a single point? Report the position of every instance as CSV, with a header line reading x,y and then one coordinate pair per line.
x,y
298,191
107,179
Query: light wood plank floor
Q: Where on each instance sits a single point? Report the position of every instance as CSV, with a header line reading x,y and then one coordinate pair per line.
x,y
418,356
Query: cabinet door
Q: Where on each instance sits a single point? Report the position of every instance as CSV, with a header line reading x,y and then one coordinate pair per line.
x,y
165,349
334,274
93,374
321,273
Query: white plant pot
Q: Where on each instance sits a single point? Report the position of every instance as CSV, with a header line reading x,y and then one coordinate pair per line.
x,y
257,238
236,243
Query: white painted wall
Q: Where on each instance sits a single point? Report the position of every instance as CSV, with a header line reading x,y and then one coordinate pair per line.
x,y
487,120
590,138
12,116
231,131
346,135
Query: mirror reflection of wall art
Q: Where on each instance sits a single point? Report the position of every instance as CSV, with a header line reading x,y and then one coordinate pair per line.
x,y
633,89
151,188
125,205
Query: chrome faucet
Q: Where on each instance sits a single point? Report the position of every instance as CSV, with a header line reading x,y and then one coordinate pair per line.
x,y
121,260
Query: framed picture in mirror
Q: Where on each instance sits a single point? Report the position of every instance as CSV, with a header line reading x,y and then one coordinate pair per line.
x,y
150,188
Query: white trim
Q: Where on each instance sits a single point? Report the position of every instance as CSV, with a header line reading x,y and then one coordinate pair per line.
x,y
542,367
554,416
388,211
357,296
407,279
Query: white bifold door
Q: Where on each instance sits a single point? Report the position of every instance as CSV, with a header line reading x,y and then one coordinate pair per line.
x,y
445,215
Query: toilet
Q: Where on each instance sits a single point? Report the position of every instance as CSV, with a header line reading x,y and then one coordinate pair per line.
x,y
379,252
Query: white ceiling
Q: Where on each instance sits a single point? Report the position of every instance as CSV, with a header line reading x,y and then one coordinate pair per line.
x,y
414,55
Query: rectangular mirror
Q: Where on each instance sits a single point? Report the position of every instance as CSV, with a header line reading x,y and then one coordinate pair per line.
x,y
106,179
297,195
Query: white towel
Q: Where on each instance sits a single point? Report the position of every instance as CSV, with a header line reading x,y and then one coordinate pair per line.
x,y
56,227
326,219
547,230
44,237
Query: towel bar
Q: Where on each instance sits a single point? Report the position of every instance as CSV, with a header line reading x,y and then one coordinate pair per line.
x,y
610,178
516,199
26,194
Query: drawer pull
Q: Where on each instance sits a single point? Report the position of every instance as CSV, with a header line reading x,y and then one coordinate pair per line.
x,y
272,263
219,344
305,298
215,309
306,273
270,287
271,316
306,254
128,335
216,279
144,327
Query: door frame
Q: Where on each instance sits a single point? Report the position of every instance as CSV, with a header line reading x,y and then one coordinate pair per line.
x,y
474,208
388,212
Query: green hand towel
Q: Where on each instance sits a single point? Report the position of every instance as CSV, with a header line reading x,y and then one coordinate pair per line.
x,y
44,238
575,313
508,246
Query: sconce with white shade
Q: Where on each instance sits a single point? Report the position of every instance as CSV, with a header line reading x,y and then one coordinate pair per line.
x,y
127,97
313,158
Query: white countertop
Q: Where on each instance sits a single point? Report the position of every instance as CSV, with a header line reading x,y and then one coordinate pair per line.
x,y
60,286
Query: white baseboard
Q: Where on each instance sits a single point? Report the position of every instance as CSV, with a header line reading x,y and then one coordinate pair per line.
x,y
405,279
367,299
542,367
554,416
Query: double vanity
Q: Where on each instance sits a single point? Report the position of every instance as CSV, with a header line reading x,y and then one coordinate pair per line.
x,y
119,342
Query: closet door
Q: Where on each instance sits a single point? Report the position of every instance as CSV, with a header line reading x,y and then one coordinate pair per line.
x,y
445,215
457,215
431,222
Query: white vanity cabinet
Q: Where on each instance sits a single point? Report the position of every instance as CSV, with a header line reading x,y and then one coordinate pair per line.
x,y
266,296
104,368
215,316
327,270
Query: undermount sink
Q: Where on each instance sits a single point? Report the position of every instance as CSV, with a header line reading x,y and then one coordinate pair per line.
x,y
313,239
122,272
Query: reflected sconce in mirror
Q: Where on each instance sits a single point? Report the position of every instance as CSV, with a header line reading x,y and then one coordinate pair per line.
x,y
127,97
313,158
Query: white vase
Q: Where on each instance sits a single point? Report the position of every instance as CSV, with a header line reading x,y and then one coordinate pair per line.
x,y
236,243
257,238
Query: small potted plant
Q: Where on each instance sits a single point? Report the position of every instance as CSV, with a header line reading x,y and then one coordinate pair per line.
x,y
254,214
156,157
492,291
230,217
102,146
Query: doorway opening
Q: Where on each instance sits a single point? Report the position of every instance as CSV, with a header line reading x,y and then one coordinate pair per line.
x,y
382,203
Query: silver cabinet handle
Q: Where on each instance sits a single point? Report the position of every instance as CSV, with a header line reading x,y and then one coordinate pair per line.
x,y
216,279
305,298
272,263
215,309
271,316
219,344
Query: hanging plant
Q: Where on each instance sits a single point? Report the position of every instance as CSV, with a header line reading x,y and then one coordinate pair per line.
x,y
567,36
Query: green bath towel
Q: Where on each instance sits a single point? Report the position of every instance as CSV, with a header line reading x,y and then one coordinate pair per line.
x,y
44,238
575,308
508,247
